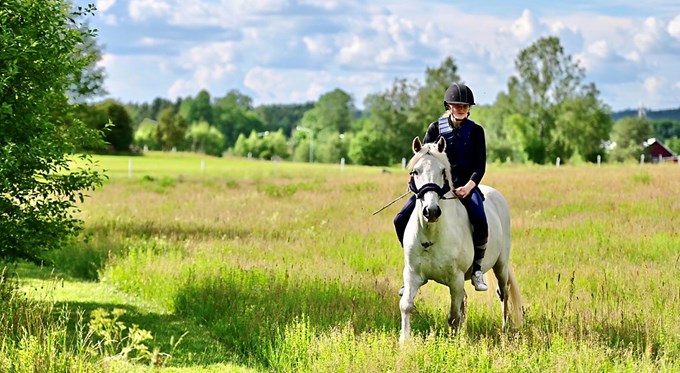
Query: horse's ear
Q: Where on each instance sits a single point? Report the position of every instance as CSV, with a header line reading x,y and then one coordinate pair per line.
x,y
441,144
417,145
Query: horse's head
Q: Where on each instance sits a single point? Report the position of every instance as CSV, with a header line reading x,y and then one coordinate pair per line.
x,y
430,176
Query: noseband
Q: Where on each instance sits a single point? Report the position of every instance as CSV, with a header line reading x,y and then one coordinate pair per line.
x,y
430,187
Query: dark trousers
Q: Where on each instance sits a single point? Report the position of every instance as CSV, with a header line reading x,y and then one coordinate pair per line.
x,y
474,204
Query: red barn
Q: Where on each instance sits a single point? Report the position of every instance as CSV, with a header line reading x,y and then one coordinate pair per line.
x,y
660,152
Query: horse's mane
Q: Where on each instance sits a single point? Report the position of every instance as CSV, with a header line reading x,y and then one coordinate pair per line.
x,y
431,149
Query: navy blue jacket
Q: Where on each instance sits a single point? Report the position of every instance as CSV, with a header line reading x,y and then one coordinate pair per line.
x,y
465,149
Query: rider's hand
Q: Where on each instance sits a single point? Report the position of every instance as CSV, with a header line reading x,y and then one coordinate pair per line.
x,y
465,190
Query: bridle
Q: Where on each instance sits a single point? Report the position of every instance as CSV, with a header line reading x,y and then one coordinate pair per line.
x,y
430,187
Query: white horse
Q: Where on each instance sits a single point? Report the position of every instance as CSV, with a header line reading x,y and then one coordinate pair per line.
x,y
438,240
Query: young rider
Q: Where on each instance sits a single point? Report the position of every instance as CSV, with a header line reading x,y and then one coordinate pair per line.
x,y
466,151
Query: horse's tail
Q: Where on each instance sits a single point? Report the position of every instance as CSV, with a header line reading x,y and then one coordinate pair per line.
x,y
515,298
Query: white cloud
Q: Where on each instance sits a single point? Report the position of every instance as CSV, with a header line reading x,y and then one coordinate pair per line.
x,y
523,28
323,4
599,49
318,45
674,27
292,50
652,85
274,85
104,5
141,10
649,37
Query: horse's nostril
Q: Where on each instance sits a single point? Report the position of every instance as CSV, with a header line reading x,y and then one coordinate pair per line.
x,y
426,212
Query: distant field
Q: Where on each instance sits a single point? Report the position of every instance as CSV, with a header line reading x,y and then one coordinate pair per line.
x,y
282,267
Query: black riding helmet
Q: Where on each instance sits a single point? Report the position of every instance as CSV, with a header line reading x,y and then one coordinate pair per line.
x,y
458,93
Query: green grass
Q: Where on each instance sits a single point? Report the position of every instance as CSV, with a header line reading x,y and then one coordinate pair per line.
x,y
284,268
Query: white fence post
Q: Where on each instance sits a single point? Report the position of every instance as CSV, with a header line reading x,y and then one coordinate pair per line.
x,y
129,167
403,163
203,166
642,158
557,162
599,159
342,165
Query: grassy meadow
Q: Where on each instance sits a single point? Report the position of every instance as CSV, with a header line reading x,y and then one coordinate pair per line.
x,y
234,265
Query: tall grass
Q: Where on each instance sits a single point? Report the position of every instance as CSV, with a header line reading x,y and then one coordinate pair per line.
x,y
34,335
289,271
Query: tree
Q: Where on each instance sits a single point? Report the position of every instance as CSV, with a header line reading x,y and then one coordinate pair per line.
x,y
200,108
429,100
171,129
233,115
388,124
665,129
120,134
145,135
88,82
39,184
205,138
332,113
547,93
368,147
286,117
629,135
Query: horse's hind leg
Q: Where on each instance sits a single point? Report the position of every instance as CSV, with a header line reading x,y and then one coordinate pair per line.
x,y
412,282
501,272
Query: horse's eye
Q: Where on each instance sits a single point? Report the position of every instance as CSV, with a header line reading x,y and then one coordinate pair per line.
x,y
414,172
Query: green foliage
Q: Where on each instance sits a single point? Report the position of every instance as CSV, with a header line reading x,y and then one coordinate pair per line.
x,y
39,186
285,117
200,108
674,144
332,147
144,136
429,101
387,133
115,340
34,335
265,145
629,135
368,147
112,119
171,129
206,139
332,113
665,129
233,115
558,114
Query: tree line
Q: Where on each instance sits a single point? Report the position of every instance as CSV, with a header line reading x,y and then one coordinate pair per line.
x,y
547,111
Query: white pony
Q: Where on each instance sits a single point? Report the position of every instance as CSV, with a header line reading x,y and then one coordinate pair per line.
x,y
438,240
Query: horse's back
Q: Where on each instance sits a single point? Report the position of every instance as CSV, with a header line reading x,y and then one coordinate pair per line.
x,y
494,198
498,217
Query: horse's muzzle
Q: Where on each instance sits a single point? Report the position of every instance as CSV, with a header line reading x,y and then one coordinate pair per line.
x,y
432,213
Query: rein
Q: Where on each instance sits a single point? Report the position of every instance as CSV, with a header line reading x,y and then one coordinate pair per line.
x,y
420,193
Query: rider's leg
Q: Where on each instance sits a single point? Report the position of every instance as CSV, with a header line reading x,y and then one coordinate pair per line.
x,y
401,220
474,204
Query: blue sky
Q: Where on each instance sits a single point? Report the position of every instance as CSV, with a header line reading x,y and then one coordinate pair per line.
x,y
293,51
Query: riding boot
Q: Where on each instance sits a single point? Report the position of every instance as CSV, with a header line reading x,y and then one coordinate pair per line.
x,y
477,277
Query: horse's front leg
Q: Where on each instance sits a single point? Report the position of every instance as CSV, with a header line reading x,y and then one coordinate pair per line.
x,y
457,312
412,282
